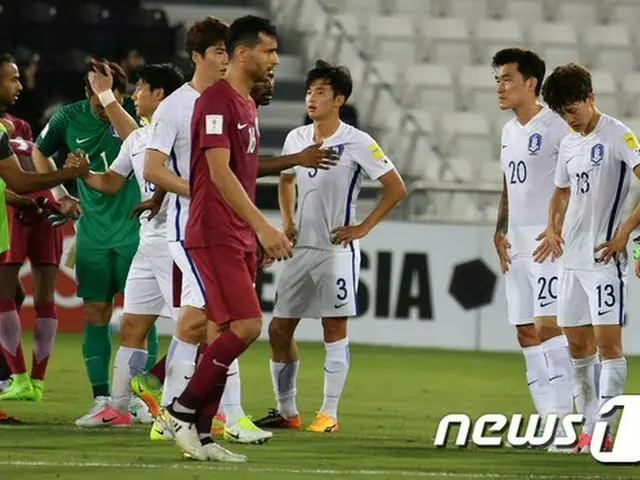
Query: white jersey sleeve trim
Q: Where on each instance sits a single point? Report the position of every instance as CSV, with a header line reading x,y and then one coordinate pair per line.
x,y
164,129
122,164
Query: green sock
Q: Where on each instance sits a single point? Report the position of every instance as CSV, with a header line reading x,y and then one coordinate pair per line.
x,y
96,345
152,348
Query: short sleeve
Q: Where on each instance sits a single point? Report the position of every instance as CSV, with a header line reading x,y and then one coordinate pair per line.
x,y
504,143
287,149
371,158
214,120
628,148
51,139
5,147
164,129
561,178
122,164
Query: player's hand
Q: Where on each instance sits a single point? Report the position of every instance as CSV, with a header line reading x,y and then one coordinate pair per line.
x,y
78,161
612,248
550,244
502,246
345,235
70,207
290,231
316,157
275,243
147,205
100,78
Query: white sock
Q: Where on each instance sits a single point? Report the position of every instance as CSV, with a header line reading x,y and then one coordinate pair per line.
x,y
336,366
128,363
179,370
283,378
538,379
556,353
612,379
230,404
584,378
172,349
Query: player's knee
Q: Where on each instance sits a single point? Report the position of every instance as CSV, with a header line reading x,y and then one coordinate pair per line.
x,y
334,329
133,333
97,313
547,332
192,326
249,330
582,344
528,336
280,332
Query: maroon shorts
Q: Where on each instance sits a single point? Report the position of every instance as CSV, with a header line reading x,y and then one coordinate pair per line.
x,y
40,242
228,275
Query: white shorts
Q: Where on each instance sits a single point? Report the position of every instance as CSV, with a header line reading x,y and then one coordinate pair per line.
x,y
148,290
593,297
192,287
318,284
532,290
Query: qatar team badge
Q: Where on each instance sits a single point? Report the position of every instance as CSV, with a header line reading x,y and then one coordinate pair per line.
x,y
597,154
535,143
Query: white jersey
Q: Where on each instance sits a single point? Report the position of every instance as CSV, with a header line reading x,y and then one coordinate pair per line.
x,y
171,135
327,198
597,167
528,161
130,160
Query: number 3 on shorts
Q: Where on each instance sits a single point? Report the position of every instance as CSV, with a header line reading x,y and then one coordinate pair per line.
x,y
342,294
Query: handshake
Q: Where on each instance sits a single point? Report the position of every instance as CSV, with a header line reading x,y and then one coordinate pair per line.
x,y
77,161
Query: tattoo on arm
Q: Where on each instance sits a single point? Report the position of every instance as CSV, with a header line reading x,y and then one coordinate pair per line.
x,y
503,211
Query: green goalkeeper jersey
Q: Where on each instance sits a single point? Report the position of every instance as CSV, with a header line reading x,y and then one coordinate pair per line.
x,y
105,221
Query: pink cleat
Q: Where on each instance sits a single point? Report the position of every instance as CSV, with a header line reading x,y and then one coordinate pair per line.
x,y
584,444
105,417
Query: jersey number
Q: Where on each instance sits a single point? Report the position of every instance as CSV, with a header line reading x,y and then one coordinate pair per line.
x,y
547,289
517,172
606,296
341,283
582,182
103,156
252,140
149,187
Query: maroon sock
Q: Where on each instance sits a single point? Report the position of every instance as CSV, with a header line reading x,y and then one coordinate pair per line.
x,y
44,335
10,336
159,369
207,384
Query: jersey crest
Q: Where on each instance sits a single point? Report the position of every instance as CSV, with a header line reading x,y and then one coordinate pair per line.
x,y
535,143
597,154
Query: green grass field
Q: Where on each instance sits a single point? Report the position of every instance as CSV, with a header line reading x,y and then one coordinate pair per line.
x,y
388,418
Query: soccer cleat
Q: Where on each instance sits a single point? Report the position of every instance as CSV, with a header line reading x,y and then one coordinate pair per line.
x,y
159,434
245,431
148,389
584,444
217,425
139,411
4,384
184,434
20,389
38,389
218,453
106,417
323,423
274,419
7,420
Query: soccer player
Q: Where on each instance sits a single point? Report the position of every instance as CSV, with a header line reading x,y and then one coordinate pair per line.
x,y
528,159
592,179
320,281
148,290
107,238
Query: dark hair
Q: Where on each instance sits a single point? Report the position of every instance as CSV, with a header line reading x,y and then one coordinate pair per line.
x,y
166,76
204,34
530,65
120,80
246,31
6,58
567,84
338,77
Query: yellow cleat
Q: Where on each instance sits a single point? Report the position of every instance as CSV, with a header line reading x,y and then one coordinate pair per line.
x,y
218,424
323,423
148,389
20,389
158,433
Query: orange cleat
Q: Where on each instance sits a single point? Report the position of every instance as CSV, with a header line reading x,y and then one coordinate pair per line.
x,y
323,423
274,420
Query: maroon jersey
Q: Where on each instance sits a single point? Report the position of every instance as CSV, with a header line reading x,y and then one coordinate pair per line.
x,y
221,119
22,128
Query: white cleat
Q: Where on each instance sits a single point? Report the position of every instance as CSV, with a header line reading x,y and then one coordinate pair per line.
x,y
4,384
184,434
93,418
139,411
245,431
554,449
218,453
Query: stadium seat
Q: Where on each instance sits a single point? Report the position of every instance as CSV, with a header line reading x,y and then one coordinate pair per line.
x,y
471,11
413,7
630,96
446,41
494,35
351,25
580,13
557,43
610,48
459,170
360,7
624,12
477,88
392,38
466,135
430,86
605,88
490,172
524,12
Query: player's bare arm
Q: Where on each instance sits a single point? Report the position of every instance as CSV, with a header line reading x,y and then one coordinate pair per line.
x,y
18,201
287,203
69,205
394,190
311,157
156,172
152,205
500,236
618,244
551,239
108,182
101,81
275,243
23,182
